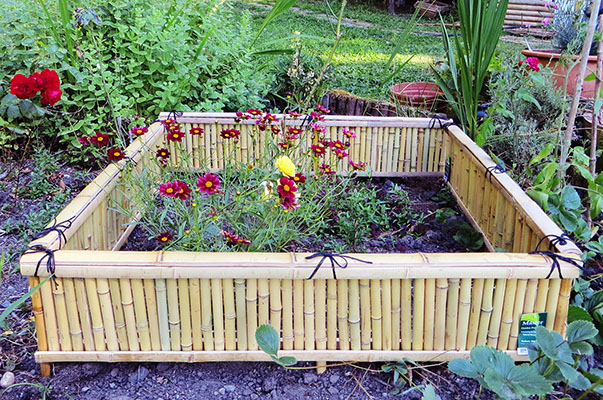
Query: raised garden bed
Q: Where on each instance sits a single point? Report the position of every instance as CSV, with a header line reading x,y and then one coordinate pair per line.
x,y
110,305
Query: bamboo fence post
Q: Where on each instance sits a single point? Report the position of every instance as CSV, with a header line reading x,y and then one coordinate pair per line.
x,y
551,303
386,292
486,312
376,316
499,299
354,315
463,314
332,314
142,322
440,314
309,342
298,314
287,293
58,294
173,314
563,306
118,312
320,295
38,313
276,306
162,314
195,301
241,310
84,314
95,313
520,295
151,300
342,314
418,315
452,310
507,315
365,314
396,313
264,305
474,316
218,313
229,314
207,315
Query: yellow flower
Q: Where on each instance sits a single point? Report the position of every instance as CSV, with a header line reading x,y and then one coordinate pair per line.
x,y
286,166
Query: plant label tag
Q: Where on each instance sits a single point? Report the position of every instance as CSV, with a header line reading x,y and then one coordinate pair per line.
x,y
527,330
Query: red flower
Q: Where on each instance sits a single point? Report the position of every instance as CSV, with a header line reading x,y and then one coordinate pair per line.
x,y
22,87
254,112
285,145
139,130
337,145
532,64
164,237
168,121
340,153
294,114
175,136
275,129
270,118
230,133
316,116
261,125
234,238
295,132
47,79
289,203
299,178
177,189
51,96
208,183
325,169
162,153
359,166
322,109
84,140
197,131
318,150
116,154
241,116
287,187
100,139
349,134
317,129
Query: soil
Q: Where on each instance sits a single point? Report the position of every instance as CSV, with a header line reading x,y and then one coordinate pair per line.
x,y
423,233
232,380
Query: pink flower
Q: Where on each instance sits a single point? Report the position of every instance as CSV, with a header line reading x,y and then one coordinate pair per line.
x,y
209,183
340,153
318,150
139,130
532,64
546,21
359,166
325,169
349,134
177,189
316,116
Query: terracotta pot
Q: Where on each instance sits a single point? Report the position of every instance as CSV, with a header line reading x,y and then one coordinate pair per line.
x,y
416,94
550,58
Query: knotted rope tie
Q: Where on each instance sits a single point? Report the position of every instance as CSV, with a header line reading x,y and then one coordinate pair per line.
x,y
555,261
498,169
172,114
334,262
59,228
443,123
562,240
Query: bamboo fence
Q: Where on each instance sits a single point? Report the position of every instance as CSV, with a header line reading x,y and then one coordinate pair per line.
x,y
110,305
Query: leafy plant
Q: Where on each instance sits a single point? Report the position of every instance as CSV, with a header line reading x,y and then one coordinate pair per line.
x,y
442,214
469,56
400,371
496,371
13,306
467,236
268,340
587,305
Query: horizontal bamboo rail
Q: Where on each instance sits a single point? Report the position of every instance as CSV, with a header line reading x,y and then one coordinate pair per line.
x,y
183,306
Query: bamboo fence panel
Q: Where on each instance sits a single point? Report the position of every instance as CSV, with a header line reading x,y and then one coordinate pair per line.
x,y
143,306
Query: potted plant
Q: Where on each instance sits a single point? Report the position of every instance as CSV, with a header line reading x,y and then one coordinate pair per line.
x,y
568,36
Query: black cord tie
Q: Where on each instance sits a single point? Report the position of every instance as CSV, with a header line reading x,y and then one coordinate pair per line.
x,y
48,255
59,228
495,169
555,261
334,262
175,114
562,240
443,123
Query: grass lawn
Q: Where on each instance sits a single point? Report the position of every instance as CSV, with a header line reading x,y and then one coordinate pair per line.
x,y
369,37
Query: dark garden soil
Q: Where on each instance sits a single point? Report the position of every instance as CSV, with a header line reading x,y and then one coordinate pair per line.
x,y
233,380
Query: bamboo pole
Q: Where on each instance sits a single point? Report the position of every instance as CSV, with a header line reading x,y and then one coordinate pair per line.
x,y
551,303
418,315
520,295
463,316
264,305
287,293
38,313
452,310
365,314
298,314
396,313
543,291
206,315
507,315
229,314
342,314
95,313
58,294
127,302
440,314
142,322
173,314
386,292
376,314
195,301
486,312
309,343
406,312
84,314
563,306
320,295
354,315
118,312
218,313
430,290
530,299
162,314
499,299
276,306
241,310
474,317
332,314
152,307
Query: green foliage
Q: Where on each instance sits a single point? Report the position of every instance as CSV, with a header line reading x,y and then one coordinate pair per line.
x,y
13,306
496,371
442,214
587,305
268,340
400,370
469,56
467,236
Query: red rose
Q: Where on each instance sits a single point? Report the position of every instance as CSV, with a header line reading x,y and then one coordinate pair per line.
x,y
22,87
51,96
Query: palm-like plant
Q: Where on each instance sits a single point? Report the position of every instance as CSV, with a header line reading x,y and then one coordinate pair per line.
x,y
469,53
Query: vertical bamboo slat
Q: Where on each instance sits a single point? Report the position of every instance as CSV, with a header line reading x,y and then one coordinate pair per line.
x,y
127,302
95,313
354,315
418,315
241,310
520,295
195,301
430,290
229,314
58,294
365,314
118,312
142,322
386,302
276,307
439,339
320,295
376,316
499,298
218,313
563,306
452,314
309,342
287,293
507,315
84,313
342,314
486,312
551,303
186,337
151,300
396,314
264,305
298,314
463,316
162,314
331,314
206,315
406,314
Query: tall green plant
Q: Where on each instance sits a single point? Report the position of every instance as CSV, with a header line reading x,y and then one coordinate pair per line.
x,y
469,54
